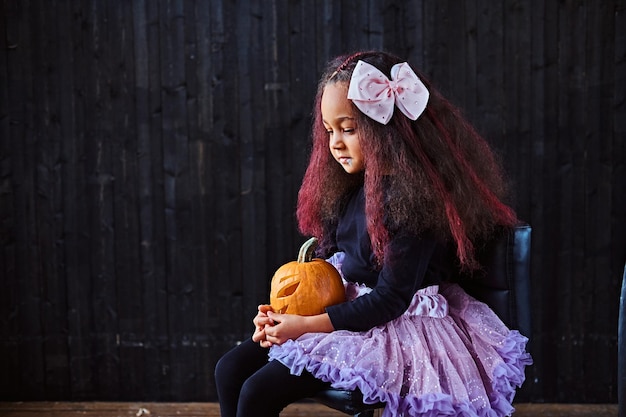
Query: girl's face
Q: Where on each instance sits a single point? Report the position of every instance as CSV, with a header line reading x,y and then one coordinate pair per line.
x,y
339,120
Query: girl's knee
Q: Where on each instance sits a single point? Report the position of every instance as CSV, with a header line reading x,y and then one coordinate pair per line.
x,y
223,370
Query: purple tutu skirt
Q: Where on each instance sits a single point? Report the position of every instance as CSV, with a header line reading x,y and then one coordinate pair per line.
x,y
447,355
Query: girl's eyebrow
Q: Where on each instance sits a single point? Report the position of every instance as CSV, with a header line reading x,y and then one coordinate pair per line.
x,y
340,119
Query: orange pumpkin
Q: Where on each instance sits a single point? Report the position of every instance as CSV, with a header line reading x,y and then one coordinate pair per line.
x,y
306,286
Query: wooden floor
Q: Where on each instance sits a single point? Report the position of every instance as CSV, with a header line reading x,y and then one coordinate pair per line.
x,y
117,409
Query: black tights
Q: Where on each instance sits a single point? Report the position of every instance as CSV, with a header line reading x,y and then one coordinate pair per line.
x,y
248,385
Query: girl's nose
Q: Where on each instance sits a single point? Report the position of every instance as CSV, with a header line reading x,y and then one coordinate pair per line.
x,y
335,141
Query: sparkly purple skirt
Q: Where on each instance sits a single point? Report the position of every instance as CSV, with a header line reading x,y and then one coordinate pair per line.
x,y
447,355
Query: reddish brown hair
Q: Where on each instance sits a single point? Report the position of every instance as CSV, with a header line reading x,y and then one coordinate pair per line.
x,y
434,174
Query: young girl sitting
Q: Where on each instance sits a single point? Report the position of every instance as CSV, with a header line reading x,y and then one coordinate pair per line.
x,y
399,189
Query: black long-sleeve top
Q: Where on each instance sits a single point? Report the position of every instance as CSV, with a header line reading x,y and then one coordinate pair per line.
x,y
411,263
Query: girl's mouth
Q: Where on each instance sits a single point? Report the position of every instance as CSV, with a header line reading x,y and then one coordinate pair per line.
x,y
344,160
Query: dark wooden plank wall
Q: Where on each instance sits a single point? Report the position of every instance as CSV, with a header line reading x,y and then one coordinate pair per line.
x,y
151,153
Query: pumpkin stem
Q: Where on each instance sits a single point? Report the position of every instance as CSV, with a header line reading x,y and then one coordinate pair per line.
x,y
306,250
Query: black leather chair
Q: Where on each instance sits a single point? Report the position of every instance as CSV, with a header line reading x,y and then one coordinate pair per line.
x,y
621,350
504,285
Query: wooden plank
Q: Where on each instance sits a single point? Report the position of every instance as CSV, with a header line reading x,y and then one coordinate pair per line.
x,y
442,47
130,336
252,163
455,52
143,409
28,304
546,279
490,105
228,118
471,66
148,258
303,80
394,28
151,199
563,158
11,118
571,121
278,146
101,175
328,26
516,143
180,284
540,113
414,33
354,26
77,236
376,29
53,285
516,146
198,78
601,309
430,55
618,165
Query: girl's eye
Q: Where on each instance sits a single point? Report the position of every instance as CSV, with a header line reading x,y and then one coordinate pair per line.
x,y
347,131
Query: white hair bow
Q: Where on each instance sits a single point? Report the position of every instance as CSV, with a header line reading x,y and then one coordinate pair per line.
x,y
375,94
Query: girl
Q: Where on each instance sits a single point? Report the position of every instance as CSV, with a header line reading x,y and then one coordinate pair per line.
x,y
398,191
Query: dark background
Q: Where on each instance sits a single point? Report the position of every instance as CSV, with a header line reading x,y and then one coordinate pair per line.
x,y
151,152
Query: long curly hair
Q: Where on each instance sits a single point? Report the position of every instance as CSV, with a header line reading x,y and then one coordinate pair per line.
x,y
434,174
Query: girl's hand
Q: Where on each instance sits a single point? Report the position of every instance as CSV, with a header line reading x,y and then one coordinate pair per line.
x,y
286,326
291,326
261,322
273,328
